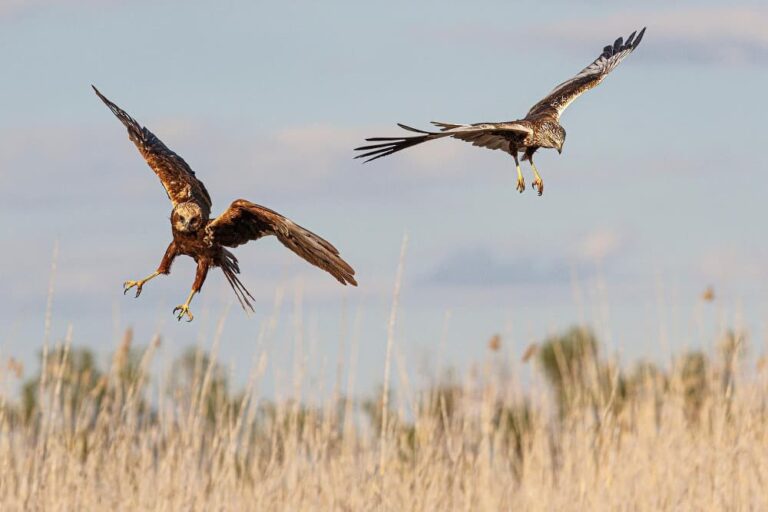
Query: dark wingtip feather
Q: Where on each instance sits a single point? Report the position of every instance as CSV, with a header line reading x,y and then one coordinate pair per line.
x,y
621,44
411,129
101,96
123,116
109,103
378,153
381,150
639,37
382,145
382,139
391,145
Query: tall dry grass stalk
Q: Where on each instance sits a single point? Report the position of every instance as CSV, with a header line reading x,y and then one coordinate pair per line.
x,y
695,438
391,324
583,434
687,439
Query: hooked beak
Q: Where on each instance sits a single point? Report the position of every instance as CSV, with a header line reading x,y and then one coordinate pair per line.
x,y
560,150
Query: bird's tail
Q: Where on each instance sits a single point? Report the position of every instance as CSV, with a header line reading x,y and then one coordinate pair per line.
x,y
389,145
231,268
316,251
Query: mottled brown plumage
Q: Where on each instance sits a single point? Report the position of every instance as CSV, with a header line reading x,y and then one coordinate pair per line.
x,y
205,239
539,129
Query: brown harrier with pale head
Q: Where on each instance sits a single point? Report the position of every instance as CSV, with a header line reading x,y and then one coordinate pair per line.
x,y
195,234
540,128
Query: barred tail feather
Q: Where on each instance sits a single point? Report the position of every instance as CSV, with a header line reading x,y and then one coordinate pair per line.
x,y
231,268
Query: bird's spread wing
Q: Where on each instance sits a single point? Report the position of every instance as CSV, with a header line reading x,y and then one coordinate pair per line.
x,y
487,135
177,177
562,96
244,221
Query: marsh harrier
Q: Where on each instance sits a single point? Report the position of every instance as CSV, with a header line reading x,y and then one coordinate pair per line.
x,y
196,235
540,128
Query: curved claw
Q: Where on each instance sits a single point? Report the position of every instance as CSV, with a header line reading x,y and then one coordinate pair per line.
x,y
183,310
538,185
521,185
130,284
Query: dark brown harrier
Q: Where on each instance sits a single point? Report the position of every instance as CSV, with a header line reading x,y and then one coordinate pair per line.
x,y
195,234
540,128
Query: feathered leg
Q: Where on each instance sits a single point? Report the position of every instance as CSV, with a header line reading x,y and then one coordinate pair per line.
x,y
202,271
163,268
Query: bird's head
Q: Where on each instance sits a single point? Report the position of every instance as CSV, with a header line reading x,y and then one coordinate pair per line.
x,y
559,139
187,217
552,135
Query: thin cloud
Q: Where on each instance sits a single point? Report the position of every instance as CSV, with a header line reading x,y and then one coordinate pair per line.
x,y
38,161
480,267
598,245
533,266
290,157
50,164
730,264
733,35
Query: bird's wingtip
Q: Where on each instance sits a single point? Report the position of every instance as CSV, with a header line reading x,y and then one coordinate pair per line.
x,y
640,36
101,96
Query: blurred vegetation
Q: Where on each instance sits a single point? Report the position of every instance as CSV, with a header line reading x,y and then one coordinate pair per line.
x,y
579,377
198,381
73,379
546,415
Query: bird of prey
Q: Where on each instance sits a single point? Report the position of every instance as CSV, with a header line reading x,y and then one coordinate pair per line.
x,y
195,234
540,128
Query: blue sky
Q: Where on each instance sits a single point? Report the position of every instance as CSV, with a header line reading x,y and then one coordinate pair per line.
x,y
659,191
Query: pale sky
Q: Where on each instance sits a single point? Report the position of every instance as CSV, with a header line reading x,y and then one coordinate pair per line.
x,y
659,191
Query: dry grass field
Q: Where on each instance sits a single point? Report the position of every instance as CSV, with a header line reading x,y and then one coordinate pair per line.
x,y
582,434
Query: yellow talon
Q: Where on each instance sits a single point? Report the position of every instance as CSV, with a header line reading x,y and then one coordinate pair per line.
x,y
183,310
538,183
138,284
520,180
130,284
